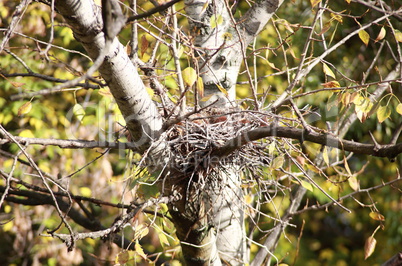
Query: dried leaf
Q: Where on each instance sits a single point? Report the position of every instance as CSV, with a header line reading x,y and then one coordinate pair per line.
x,y
123,257
381,35
328,71
144,45
377,216
25,108
383,113
353,183
105,92
331,84
200,87
345,162
326,27
369,246
364,36
189,76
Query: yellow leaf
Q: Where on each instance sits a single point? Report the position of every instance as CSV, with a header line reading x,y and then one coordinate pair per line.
x,y
163,239
25,108
348,1
215,20
364,36
325,155
277,162
105,92
200,87
150,91
337,17
377,216
383,113
399,108
398,35
381,35
79,111
206,98
227,36
26,133
85,192
345,162
331,84
222,89
328,71
189,76
314,3
139,250
307,185
353,183
369,246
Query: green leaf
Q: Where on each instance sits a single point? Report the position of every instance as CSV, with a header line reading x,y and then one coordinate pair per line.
x,y
216,20
383,113
307,185
328,71
189,76
78,111
277,162
364,36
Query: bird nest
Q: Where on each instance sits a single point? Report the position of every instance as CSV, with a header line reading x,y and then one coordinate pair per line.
x,y
194,143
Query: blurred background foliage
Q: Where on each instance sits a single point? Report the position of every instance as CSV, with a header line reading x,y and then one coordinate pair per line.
x,y
321,237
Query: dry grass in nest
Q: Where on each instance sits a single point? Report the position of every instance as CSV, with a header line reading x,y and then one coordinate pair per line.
x,y
193,141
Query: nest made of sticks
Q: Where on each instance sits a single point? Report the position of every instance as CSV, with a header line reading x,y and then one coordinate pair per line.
x,y
193,141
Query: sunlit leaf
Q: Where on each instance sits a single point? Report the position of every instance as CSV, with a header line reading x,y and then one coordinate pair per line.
x,y
398,35
337,17
79,111
277,162
216,20
206,98
381,35
189,76
222,89
105,92
325,155
348,1
383,113
345,162
331,84
377,216
369,246
364,36
200,86
25,108
328,71
314,2
307,185
139,250
85,192
227,36
163,239
399,108
354,183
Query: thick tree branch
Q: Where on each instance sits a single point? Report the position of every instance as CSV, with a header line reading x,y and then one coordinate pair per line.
x,y
389,151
